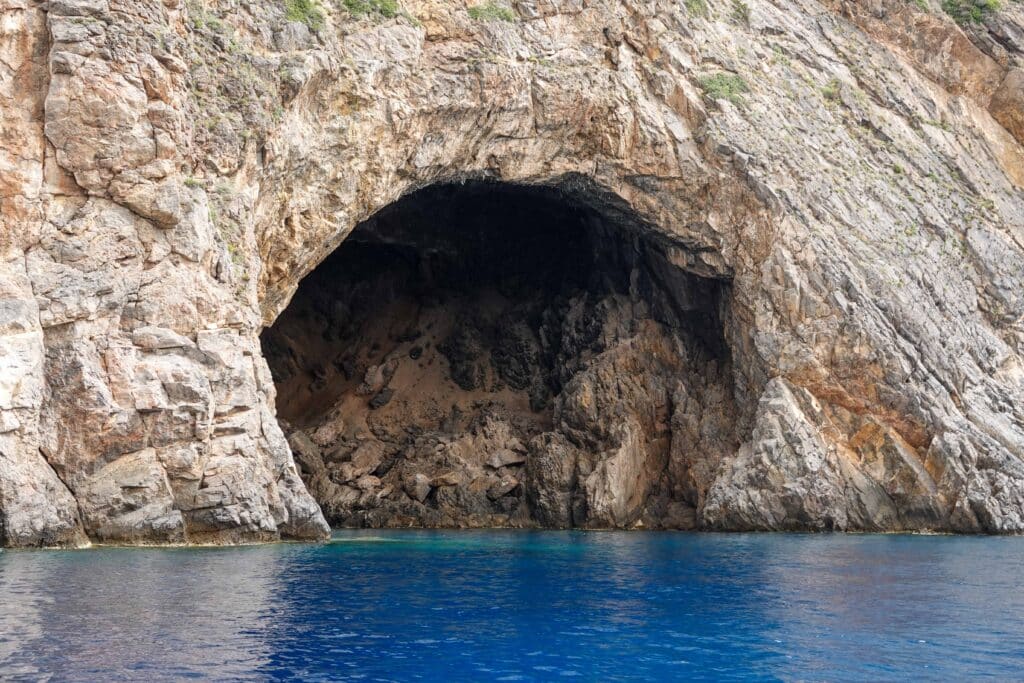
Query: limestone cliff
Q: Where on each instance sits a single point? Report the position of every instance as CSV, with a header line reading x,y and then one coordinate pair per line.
x,y
842,179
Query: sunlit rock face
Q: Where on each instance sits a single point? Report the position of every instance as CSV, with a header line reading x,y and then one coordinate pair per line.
x,y
844,177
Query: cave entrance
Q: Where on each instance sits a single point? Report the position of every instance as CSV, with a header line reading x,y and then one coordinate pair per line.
x,y
485,354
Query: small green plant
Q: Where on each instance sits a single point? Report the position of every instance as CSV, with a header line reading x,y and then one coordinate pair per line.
x,y
491,11
779,57
193,182
831,90
725,86
306,11
970,11
698,8
922,5
938,124
740,12
202,19
385,8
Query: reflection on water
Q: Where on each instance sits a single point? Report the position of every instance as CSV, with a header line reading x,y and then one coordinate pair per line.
x,y
122,612
521,605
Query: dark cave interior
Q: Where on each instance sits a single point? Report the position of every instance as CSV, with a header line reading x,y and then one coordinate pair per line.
x,y
420,366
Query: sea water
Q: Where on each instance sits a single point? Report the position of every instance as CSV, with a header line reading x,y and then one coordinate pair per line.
x,y
521,605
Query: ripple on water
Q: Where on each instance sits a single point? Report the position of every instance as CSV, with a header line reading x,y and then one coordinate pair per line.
x,y
433,605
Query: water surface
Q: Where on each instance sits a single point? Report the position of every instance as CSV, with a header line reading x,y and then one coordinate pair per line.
x,y
495,605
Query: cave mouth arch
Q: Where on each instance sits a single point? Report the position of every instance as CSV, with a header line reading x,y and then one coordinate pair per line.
x,y
484,354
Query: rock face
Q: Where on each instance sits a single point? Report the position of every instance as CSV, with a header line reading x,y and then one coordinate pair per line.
x,y
835,185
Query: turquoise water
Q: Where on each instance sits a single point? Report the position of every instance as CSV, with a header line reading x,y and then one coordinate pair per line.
x,y
425,605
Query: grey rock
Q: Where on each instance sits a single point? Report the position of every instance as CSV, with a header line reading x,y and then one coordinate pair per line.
x,y
505,457
294,35
382,398
418,487
503,487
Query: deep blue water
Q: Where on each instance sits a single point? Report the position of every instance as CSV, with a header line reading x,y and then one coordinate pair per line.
x,y
425,605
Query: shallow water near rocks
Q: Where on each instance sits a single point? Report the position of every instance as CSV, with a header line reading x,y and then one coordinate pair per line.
x,y
519,605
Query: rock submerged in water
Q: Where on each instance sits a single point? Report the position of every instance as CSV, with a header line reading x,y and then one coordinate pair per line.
x,y
796,302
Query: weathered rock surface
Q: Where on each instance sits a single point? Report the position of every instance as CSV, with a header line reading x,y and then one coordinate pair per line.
x,y
850,172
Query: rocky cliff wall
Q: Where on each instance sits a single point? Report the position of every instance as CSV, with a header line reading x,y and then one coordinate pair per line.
x,y
170,171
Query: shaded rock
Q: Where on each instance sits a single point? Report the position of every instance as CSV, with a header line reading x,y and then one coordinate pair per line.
x,y
504,458
446,479
550,480
463,349
382,398
516,354
417,486
503,487
367,482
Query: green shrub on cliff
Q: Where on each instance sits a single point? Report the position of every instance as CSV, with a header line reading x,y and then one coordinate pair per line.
x,y
740,13
491,11
306,11
698,8
970,11
386,8
725,86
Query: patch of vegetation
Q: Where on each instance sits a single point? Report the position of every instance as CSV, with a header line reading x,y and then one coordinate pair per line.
x,y
970,11
308,12
831,90
725,86
740,12
359,8
211,22
491,11
698,8
779,57
938,124
922,5
201,19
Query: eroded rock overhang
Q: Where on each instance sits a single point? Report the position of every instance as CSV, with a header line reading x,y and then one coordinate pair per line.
x,y
490,354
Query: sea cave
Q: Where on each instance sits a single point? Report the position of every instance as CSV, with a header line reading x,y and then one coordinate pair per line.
x,y
480,354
